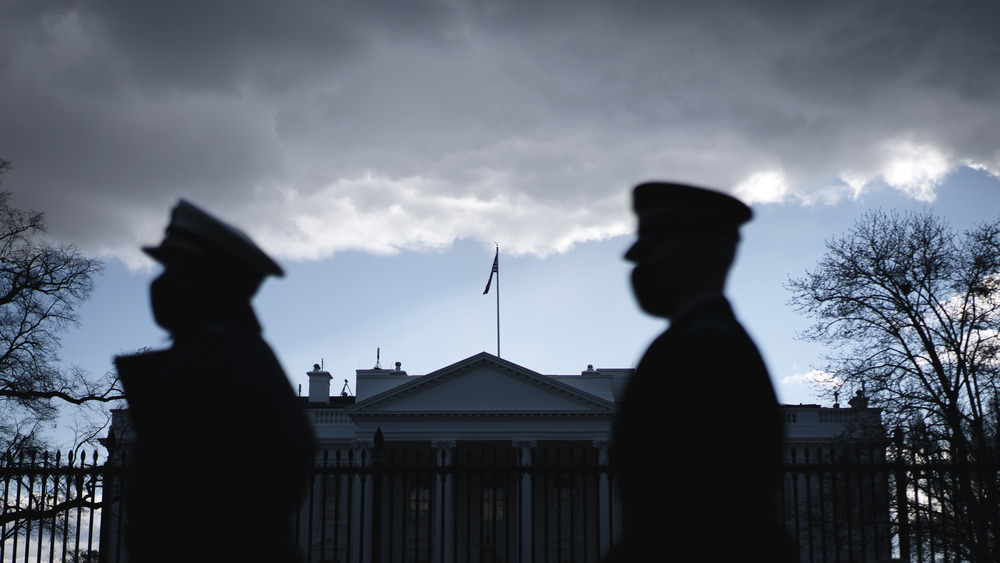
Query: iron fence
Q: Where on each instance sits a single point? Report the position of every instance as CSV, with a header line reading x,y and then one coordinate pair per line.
x,y
836,504
477,502
51,507
473,503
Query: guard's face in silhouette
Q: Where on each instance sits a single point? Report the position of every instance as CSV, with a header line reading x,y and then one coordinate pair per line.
x,y
660,269
187,293
669,269
174,297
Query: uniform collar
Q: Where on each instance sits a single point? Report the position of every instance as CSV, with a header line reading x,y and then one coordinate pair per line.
x,y
715,306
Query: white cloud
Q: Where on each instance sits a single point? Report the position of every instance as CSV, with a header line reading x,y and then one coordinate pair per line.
x,y
763,187
855,182
336,218
915,169
991,166
814,378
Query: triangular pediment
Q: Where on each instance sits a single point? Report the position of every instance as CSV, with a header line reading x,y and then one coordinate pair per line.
x,y
484,385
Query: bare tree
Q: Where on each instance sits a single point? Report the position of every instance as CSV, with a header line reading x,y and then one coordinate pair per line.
x,y
911,311
41,284
83,556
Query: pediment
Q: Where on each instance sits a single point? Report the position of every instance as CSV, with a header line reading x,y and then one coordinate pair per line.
x,y
483,385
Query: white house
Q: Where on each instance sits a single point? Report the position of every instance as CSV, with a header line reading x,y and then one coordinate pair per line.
x,y
482,460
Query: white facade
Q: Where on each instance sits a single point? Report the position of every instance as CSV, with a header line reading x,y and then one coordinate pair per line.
x,y
813,425
493,398
835,495
486,413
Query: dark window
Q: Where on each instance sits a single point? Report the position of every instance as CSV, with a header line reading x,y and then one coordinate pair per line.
x,y
492,504
419,505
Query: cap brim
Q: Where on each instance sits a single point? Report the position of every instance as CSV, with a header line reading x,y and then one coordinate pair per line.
x,y
635,251
155,252
169,251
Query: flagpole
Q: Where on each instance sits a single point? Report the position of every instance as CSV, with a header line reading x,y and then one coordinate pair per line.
x,y
489,282
498,300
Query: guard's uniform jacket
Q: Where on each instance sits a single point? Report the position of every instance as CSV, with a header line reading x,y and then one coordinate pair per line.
x,y
223,447
697,446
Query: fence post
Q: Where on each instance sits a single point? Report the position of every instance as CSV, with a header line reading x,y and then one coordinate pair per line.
x,y
525,513
902,509
444,519
605,505
107,496
377,497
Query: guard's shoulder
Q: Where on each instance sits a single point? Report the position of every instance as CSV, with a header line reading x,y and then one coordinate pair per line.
x,y
710,324
142,362
139,373
714,318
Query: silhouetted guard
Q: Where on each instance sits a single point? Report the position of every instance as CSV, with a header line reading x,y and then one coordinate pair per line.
x,y
182,400
687,238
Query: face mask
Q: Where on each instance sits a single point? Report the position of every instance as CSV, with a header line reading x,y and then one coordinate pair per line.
x,y
173,299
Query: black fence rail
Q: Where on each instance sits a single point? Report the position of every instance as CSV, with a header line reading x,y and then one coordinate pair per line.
x,y
472,503
479,502
51,507
836,504
856,503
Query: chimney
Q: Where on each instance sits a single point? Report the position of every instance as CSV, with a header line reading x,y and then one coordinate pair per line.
x,y
319,385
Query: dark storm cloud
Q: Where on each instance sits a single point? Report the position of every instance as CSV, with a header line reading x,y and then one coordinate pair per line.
x,y
384,125
221,44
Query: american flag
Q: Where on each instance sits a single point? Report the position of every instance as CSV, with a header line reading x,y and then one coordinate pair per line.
x,y
495,270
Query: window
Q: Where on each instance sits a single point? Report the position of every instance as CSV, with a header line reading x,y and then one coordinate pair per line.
x,y
564,507
418,521
332,507
492,504
419,503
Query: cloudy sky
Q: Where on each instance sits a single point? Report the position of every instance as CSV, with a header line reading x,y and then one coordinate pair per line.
x,y
379,149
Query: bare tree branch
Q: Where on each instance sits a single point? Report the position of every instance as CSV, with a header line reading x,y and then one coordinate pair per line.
x,y
911,311
41,285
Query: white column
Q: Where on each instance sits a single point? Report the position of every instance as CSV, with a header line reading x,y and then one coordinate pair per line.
x,y
605,506
363,498
524,511
445,518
